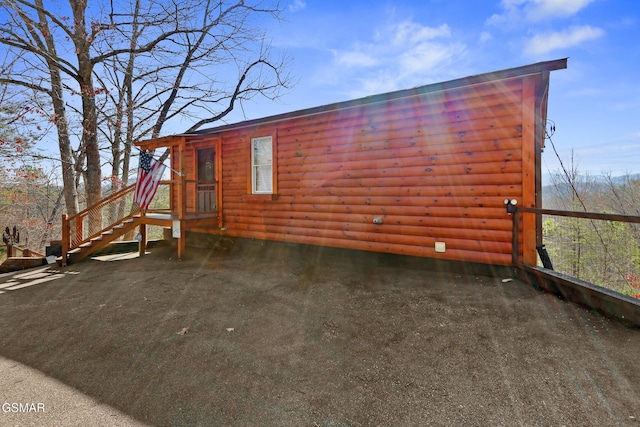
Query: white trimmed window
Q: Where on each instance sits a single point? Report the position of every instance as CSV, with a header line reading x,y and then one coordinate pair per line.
x,y
262,165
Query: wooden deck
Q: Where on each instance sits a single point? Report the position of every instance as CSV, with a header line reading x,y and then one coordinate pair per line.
x,y
178,225
167,219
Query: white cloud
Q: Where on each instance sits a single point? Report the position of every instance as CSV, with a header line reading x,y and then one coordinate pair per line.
x,y
427,56
546,42
354,58
510,15
297,5
485,36
398,56
411,33
542,9
516,11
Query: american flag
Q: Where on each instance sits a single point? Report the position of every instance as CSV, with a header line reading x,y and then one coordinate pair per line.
x,y
149,173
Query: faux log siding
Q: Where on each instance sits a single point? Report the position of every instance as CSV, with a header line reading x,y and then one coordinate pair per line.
x,y
436,168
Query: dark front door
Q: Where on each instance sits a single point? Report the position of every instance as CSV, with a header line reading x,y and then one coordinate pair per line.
x,y
206,185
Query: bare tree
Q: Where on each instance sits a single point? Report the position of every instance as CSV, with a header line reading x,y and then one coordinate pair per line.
x,y
209,40
606,253
118,74
623,193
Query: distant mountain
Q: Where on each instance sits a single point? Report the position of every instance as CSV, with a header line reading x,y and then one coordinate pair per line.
x,y
547,178
585,184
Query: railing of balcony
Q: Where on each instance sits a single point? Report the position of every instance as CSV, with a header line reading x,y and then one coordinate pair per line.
x,y
206,196
92,221
161,202
598,248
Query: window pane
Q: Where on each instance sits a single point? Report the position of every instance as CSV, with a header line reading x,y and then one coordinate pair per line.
x,y
263,179
262,160
206,164
262,151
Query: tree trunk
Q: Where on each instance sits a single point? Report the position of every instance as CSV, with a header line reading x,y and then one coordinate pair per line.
x,y
89,114
93,175
57,99
54,213
66,153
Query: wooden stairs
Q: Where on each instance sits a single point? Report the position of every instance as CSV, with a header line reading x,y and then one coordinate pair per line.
x,y
100,224
102,240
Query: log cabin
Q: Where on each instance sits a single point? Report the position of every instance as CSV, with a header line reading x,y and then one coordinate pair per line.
x,y
421,172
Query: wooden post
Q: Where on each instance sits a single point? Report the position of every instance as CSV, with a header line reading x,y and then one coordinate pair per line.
x,y
9,250
182,202
142,244
515,240
65,238
182,241
79,233
182,196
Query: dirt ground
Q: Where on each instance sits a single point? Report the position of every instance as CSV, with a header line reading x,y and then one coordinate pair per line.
x,y
286,335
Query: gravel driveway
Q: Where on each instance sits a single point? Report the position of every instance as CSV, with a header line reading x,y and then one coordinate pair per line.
x,y
288,335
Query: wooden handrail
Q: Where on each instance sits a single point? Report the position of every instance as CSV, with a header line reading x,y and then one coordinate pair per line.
x,y
112,196
69,242
104,202
517,211
72,240
577,214
36,254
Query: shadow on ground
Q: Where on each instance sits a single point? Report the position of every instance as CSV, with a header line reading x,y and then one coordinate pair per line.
x,y
276,334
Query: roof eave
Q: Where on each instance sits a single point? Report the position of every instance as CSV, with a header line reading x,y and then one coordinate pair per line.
x,y
430,88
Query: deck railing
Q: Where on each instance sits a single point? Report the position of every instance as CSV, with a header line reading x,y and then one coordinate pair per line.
x,y
92,221
598,248
206,196
161,202
19,251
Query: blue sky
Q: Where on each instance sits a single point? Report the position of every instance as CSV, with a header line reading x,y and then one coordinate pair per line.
x,y
342,50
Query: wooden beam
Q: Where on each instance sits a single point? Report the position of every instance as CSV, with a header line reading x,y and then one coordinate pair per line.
x,y
589,215
182,188
182,204
182,240
166,141
161,222
142,244
66,238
